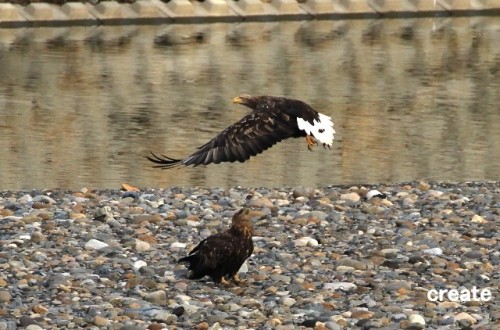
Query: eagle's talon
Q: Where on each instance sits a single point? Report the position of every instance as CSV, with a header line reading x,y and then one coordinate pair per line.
x,y
311,141
237,280
224,282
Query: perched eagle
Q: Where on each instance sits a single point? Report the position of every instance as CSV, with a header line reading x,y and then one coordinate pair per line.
x,y
221,255
273,119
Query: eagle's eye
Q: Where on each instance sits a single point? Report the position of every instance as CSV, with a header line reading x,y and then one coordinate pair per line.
x,y
321,130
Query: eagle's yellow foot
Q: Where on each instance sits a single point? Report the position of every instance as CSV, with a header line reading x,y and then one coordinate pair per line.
x,y
237,280
311,141
224,282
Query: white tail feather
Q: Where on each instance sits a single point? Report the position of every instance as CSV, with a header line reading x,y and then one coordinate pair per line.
x,y
322,129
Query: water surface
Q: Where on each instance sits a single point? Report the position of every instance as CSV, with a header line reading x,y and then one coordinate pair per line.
x,y
411,99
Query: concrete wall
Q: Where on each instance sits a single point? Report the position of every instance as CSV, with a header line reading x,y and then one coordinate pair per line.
x,y
151,11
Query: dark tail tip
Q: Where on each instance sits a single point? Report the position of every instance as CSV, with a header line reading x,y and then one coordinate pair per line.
x,y
164,161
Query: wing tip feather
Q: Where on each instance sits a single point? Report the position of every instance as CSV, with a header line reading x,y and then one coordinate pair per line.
x,y
163,161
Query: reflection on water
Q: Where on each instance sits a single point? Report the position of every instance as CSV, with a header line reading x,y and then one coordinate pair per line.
x,y
411,99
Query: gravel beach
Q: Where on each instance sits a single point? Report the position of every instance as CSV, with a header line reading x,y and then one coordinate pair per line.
x,y
326,258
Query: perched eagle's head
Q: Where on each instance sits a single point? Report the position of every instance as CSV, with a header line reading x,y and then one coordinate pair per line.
x,y
246,100
241,222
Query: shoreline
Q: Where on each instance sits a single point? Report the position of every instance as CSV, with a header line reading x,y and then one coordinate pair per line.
x,y
184,11
324,258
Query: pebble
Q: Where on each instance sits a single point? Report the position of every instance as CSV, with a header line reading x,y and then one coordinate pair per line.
x,y
95,244
351,197
343,286
141,246
465,318
179,245
139,264
433,251
323,257
5,296
416,319
158,297
305,241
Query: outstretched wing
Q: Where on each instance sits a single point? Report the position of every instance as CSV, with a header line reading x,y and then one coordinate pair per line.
x,y
248,137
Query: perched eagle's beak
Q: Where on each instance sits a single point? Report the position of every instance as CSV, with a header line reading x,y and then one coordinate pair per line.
x,y
237,99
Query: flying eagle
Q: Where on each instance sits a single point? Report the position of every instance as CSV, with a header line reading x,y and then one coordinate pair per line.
x,y
272,119
221,255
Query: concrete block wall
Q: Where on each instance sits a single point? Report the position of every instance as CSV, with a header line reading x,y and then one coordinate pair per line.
x,y
111,12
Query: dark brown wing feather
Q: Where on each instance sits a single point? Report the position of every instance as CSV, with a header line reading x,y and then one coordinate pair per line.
x,y
254,133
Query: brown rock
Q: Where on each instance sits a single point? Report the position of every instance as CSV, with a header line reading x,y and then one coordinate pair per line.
x,y
39,309
31,218
362,314
424,186
148,238
6,212
156,326
202,326
127,187
101,321
39,205
5,296
148,218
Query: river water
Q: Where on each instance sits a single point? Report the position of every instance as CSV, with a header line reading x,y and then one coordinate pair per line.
x,y
412,99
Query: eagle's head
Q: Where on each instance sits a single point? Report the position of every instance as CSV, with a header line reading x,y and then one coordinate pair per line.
x,y
246,100
241,222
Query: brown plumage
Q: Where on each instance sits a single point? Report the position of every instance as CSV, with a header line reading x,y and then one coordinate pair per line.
x,y
221,255
272,120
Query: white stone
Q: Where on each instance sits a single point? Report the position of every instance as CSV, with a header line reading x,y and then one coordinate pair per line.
x,y
416,319
178,245
282,202
344,286
305,241
139,263
193,223
478,219
95,244
434,251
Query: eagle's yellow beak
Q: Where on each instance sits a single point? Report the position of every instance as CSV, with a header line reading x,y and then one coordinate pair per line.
x,y
237,99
